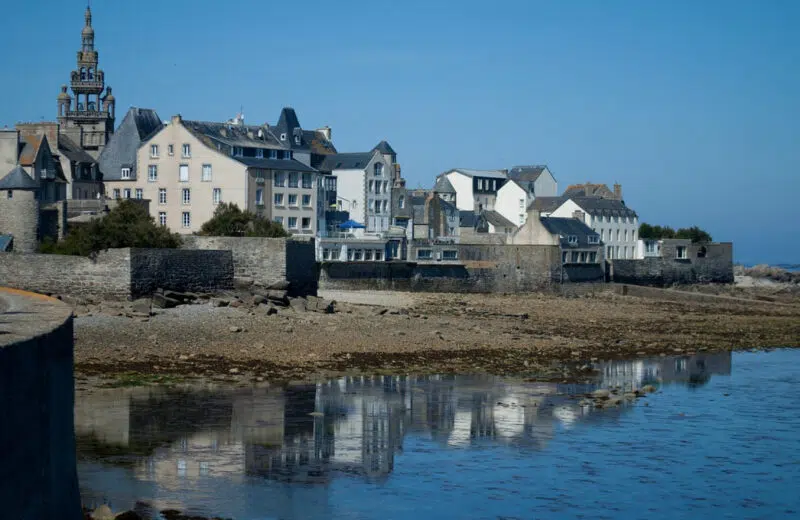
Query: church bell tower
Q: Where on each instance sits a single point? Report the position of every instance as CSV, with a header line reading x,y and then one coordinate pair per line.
x,y
87,116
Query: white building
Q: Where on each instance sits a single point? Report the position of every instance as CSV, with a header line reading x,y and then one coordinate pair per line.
x,y
616,223
475,189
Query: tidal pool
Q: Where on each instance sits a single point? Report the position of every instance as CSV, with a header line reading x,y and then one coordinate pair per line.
x,y
720,439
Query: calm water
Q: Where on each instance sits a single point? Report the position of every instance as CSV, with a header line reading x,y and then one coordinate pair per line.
x,y
721,439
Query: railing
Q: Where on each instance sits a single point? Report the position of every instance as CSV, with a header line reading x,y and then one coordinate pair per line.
x,y
87,114
89,84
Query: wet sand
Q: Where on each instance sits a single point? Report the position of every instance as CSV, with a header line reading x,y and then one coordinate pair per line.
x,y
539,335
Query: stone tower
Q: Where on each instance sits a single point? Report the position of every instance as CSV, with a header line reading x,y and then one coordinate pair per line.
x,y
89,120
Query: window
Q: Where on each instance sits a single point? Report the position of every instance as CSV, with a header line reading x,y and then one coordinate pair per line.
x,y
152,173
616,219
292,199
306,222
162,218
424,254
306,201
368,254
183,173
238,151
273,154
377,206
171,150
603,235
186,196
186,219
386,186
217,195
521,203
139,193
293,180
259,153
626,235
357,254
116,193
385,206
307,180
205,174
162,195
278,199
650,246
154,151
260,197
371,186
278,220
401,202
564,257
280,179
10,194
582,257
593,258
378,169
521,219
283,137
378,255
450,254
574,258
701,253
187,150
618,235
616,252
680,252
572,239
480,184
126,193
125,174
609,252
292,222
594,239
326,254
633,235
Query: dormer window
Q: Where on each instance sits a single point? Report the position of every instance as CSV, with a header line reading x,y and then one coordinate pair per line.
x,y
594,239
283,137
297,139
273,154
238,151
378,169
125,174
572,239
259,153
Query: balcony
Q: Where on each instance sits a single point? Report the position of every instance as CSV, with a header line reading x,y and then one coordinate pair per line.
x,y
86,114
93,86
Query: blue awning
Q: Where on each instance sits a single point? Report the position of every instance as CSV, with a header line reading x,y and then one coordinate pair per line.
x,y
351,224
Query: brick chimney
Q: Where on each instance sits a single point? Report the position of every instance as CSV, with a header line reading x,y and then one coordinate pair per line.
x,y
618,191
579,215
176,119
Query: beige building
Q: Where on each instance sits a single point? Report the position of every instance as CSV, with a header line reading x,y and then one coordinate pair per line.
x,y
187,168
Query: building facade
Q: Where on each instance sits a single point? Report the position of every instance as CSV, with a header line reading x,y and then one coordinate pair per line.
x,y
476,190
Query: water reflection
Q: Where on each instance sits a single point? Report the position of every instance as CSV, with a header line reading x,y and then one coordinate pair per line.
x,y
173,447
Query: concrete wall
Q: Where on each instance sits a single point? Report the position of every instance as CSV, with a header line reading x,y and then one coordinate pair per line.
x,y
118,274
38,476
266,260
715,267
479,269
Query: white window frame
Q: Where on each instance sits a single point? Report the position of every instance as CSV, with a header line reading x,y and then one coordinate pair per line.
x,y
139,193
572,239
154,151
125,174
306,201
283,137
259,196
162,200
126,193
277,199
681,252
279,179
216,196
181,169
292,219
293,180
162,218
451,253
152,173
186,219
206,173
117,193
594,239
186,196
306,185
186,151
289,200
424,254
259,153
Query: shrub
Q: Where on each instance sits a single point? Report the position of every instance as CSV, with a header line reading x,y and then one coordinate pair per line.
x,y
230,221
694,233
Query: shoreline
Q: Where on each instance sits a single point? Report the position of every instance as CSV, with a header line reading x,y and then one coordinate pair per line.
x,y
538,336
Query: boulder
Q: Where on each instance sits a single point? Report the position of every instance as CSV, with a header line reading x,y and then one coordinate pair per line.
x,y
298,304
219,302
102,513
258,299
180,296
268,309
278,296
141,306
601,394
161,301
236,303
282,285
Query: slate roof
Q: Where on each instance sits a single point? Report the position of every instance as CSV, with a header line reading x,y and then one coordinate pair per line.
x,y
18,179
72,151
310,140
245,136
443,185
467,218
564,227
600,206
274,164
495,174
138,125
546,204
588,190
497,220
385,148
346,161
526,173
418,208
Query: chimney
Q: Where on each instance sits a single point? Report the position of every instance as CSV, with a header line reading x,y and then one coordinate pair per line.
x,y
618,191
326,131
578,214
176,119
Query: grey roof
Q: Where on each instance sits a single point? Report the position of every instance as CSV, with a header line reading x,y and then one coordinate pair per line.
x,y
564,227
274,164
385,148
497,220
18,179
467,218
72,151
526,173
443,185
418,208
599,206
496,174
138,125
346,161
310,140
246,136
546,204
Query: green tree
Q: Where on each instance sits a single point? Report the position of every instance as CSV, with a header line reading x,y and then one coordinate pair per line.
x,y
127,225
230,221
647,231
694,233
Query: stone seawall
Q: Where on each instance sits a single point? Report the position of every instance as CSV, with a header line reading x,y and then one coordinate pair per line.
x,y
38,476
180,270
703,263
479,269
266,260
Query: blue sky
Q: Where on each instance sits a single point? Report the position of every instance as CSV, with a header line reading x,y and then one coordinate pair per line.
x,y
693,106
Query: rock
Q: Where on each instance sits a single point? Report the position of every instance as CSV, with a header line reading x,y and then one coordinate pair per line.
x,y
298,304
614,401
258,299
381,312
268,309
219,302
648,389
236,303
233,371
129,515
282,285
234,328
102,513
161,301
142,306
328,307
278,296
601,394
183,357
242,282
180,296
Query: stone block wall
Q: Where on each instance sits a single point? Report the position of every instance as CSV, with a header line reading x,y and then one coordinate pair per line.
x,y
179,270
19,216
704,263
38,475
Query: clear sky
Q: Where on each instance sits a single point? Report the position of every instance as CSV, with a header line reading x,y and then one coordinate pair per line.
x,y
692,105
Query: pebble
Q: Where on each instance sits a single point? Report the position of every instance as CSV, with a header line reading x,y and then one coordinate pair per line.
x,y
233,371
234,328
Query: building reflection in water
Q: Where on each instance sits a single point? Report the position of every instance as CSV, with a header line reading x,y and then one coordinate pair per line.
x,y
179,439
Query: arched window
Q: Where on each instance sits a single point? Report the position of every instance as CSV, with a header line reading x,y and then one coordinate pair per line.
x,y
401,202
378,169
91,106
80,107
91,73
83,73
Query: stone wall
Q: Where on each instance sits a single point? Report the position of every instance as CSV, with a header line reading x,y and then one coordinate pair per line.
x,y
583,273
38,475
118,274
479,269
266,260
19,216
704,263
179,270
